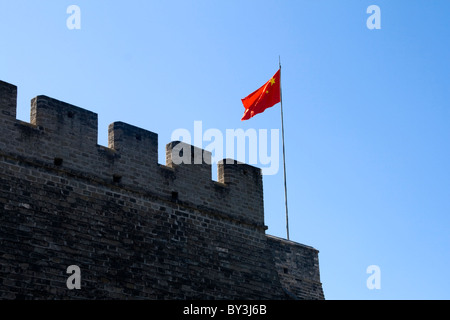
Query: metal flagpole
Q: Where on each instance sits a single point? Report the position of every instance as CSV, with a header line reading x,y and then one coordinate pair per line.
x,y
284,155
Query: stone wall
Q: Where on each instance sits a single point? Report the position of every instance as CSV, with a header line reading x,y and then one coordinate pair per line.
x,y
136,229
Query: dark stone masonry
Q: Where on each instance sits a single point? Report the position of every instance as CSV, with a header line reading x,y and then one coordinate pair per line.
x,y
135,228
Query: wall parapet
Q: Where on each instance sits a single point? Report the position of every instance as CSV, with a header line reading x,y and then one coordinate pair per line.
x,y
65,135
136,228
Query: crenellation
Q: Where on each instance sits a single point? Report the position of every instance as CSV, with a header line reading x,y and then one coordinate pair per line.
x,y
246,187
136,149
27,132
8,100
181,153
137,228
65,136
67,124
133,142
192,168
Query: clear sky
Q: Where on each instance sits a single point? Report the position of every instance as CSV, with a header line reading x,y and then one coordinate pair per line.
x,y
367,111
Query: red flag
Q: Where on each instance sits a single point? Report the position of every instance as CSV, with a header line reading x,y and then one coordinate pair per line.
x,y
265,97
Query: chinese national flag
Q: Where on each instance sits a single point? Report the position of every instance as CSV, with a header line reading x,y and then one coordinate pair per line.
x,y
265,97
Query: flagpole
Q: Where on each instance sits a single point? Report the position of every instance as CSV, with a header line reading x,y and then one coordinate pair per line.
x,y
284,155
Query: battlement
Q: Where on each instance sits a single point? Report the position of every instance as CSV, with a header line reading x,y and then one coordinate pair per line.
x,y
136,228
65,136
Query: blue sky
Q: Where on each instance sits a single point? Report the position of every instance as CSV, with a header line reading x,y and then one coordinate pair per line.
x,y
367,112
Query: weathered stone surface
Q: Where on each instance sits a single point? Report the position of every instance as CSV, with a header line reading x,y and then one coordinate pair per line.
x,y
136,229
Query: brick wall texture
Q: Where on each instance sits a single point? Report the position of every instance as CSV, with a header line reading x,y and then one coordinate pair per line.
x,y
135,228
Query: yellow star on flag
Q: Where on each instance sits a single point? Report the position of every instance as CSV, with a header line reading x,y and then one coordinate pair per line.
x,y
265,97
